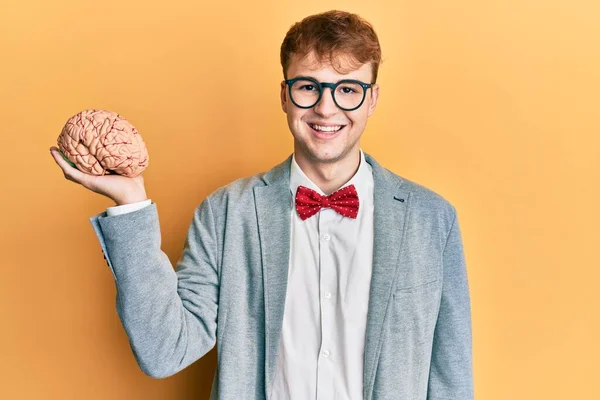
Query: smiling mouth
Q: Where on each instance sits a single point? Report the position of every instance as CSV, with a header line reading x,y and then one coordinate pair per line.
x,y
326,128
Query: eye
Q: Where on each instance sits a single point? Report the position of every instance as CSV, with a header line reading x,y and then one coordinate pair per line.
x,y
348,88
308,88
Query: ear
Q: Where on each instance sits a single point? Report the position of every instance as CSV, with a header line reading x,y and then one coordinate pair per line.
x,y
283,96
374,98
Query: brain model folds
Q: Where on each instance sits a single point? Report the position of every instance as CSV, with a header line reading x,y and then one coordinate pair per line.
x,y
100,142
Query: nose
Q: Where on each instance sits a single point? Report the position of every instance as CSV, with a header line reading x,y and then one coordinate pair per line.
x,y
326,106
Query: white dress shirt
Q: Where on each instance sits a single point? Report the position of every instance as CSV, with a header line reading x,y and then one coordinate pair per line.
x,y
324,323
127,208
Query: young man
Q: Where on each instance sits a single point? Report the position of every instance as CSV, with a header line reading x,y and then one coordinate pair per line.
x,y
328,277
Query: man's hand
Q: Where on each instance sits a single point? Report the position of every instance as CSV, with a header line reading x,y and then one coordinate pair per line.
x,y
120,189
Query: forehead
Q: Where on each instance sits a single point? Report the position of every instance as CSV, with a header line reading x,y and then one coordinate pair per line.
x,y
334,69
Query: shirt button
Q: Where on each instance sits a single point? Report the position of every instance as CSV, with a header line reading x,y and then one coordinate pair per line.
x,y
326,237
327,295
326,353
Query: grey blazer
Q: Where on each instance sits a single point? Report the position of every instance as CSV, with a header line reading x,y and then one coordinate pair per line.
x,y
229,288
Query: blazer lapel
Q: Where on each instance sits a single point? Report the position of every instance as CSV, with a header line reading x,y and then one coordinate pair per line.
x,y
273,211
391,203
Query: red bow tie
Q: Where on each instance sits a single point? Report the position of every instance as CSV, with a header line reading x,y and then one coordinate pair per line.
x,y
344,201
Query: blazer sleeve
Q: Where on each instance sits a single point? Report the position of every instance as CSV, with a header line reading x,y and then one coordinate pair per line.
x,y
170,316
451,371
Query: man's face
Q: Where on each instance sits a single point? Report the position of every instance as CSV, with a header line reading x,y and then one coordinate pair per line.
x,y
314,140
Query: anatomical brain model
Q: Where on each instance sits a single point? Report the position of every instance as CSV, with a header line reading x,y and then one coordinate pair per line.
x,y
100,142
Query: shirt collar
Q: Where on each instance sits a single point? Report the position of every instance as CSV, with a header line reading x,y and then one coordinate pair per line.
x,y
360,180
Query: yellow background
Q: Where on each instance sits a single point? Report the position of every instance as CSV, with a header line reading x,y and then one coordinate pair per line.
x,y
493,104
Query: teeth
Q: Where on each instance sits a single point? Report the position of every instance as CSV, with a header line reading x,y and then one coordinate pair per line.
x,y
326,128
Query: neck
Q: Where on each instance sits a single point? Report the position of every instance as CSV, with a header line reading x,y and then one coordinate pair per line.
x,y
329,177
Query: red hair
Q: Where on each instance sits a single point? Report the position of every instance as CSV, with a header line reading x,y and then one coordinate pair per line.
x,y
333,36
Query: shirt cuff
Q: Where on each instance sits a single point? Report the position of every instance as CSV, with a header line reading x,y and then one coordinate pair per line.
x,y
127,208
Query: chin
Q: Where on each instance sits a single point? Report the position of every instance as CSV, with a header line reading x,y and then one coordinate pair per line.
x,y
324,156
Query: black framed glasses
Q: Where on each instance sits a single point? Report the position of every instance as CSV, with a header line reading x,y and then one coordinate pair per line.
x,y
347,94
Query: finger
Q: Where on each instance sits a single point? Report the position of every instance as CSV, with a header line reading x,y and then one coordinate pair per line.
x,y
71,173
54,152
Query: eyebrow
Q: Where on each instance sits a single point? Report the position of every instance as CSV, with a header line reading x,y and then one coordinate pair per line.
x,y
312,77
